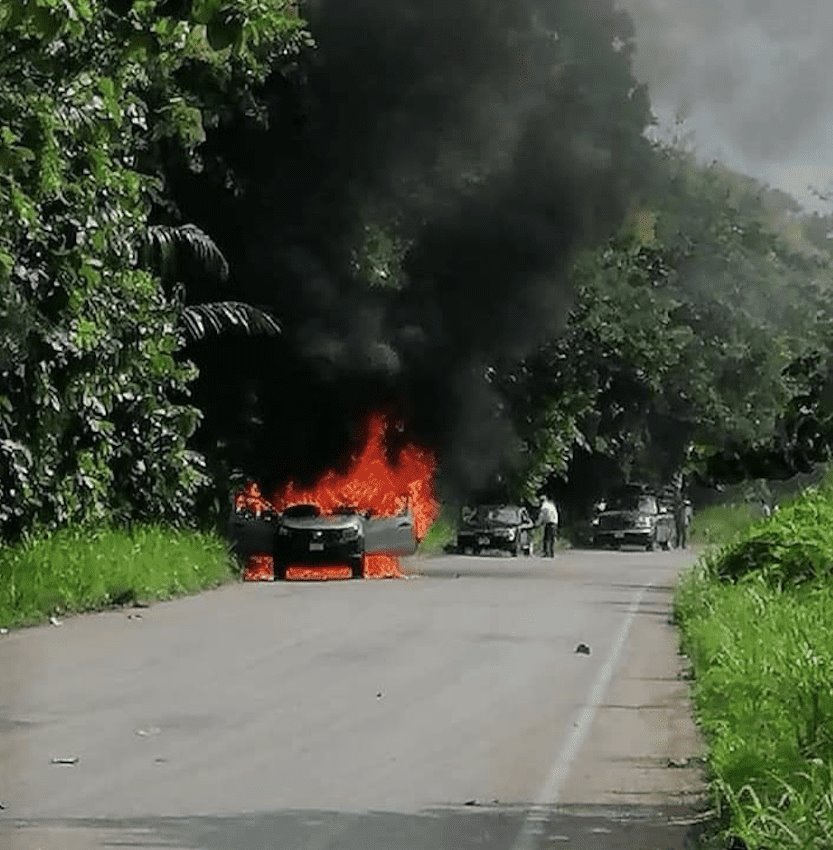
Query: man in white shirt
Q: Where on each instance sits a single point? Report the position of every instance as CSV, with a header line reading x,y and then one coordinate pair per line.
x,y
548,518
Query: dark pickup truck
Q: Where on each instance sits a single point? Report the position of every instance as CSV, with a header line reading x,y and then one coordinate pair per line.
x,y
635,519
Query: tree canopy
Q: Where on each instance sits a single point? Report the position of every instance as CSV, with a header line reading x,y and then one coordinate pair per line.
x,y
448,210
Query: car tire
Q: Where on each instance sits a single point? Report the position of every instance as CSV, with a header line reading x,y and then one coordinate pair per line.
x,y
357,567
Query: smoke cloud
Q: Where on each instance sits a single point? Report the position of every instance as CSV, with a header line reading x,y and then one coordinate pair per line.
x,y
751,78
480,143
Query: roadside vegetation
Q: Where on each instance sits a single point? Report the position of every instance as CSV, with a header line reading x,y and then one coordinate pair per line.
x,y
719,524
757,625
442,533
70,571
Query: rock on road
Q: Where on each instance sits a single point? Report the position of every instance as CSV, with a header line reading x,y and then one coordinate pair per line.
x,y
447,712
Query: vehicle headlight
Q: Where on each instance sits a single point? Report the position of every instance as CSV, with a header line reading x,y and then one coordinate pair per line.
x,y
596,521
643,521
351,533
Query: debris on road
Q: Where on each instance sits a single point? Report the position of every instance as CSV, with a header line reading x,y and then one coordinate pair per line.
x,y
3,806
55,621
134,616
160,761
66,760
141,605
679,763
471,803
4,631
583,649
379,695
148,732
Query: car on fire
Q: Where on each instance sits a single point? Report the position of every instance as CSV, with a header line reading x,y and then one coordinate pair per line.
x,y
634,518
508,528
304,536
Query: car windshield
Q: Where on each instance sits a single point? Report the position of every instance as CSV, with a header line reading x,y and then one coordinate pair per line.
x,y
302,511
642,504
500,515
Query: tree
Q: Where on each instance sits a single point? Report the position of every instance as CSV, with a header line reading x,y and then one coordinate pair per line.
x,y
94,412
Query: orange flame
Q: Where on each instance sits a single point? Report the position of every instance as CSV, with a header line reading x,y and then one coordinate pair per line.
x,y
259,568
373,483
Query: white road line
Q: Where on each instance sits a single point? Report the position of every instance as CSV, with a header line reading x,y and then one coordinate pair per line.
x,y
552,788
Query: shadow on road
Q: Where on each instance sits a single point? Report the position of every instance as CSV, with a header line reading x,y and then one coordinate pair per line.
x,y
484,828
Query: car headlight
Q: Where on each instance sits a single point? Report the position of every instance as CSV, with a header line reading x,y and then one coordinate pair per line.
x,y
596,521
351,533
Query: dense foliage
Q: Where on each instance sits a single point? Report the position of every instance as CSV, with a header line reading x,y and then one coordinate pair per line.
x,y
478,237
755,619
94,416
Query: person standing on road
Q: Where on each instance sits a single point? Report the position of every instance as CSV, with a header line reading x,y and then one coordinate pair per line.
x,y
548,518
682,518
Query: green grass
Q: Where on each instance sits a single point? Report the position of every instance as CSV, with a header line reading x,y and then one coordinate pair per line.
x,y
77,570
757,624
441,533
719,524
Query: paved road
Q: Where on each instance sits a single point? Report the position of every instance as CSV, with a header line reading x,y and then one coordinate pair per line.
x,y
449,711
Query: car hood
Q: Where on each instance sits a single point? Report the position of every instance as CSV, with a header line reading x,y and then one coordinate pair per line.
x,y
487,528
631,516
322,523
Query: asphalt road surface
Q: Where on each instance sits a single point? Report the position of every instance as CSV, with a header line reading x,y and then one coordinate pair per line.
x,y
446,712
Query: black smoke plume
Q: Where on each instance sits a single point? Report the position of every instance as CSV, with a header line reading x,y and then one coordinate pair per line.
x,y
427,174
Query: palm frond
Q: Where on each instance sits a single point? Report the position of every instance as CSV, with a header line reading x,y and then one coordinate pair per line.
x,y
168,241
219,317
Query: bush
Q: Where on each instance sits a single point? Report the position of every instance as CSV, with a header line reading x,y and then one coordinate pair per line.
x,y
77,570
792,547
757,624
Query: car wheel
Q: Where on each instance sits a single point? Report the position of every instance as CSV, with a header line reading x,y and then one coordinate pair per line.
x,y
357,567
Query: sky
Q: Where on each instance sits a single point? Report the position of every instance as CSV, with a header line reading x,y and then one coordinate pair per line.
x,y
753,80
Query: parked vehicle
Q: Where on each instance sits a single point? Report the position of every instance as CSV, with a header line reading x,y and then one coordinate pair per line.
x,y
634,518
508,528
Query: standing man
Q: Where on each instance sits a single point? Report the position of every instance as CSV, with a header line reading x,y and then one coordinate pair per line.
x,y
682,518
548,517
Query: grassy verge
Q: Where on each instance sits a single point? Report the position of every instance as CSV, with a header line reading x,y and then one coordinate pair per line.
x,y
719,524
442,532
757,625
84,570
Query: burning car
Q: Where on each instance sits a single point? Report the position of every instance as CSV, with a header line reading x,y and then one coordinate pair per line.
x,y
635,518
505,527
313,532
304,536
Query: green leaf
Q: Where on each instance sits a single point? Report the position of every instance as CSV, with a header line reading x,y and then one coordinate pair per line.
x,y
204,11
222,34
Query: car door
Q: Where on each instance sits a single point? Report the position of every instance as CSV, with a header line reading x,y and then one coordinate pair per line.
x,y
390,535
